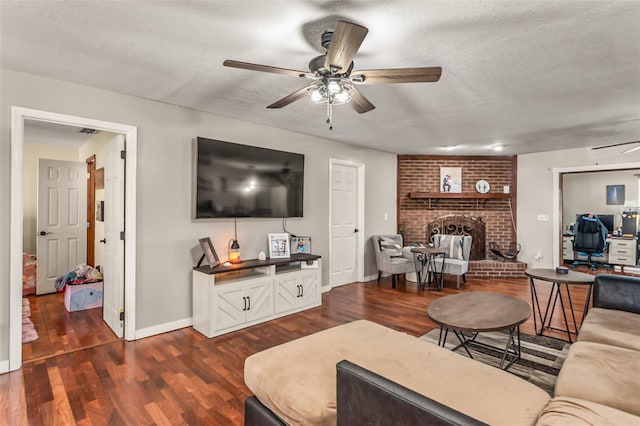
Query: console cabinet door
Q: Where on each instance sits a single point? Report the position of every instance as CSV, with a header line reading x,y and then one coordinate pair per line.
x,y
310,289
229,307
260,300
287,293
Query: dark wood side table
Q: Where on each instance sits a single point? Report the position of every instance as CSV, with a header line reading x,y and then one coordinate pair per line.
x,y
425,259
479,312
557,280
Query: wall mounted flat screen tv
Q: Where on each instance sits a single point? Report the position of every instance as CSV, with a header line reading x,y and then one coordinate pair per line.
x,y
234,180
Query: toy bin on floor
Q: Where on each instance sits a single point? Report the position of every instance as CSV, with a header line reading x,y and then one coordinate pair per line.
x,y
80,297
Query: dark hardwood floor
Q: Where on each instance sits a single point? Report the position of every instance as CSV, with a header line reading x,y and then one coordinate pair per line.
x,y
62,332
182,377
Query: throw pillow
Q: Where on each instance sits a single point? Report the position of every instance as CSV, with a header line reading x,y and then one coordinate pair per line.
x,y
390,246
453,246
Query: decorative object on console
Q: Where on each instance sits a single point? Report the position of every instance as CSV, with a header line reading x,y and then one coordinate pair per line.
x,y
451,179
262,256
482,186
279,246
300,245
615,195
234,247
208,252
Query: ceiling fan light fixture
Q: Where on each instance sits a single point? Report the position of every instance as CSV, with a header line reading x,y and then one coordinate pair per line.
x,y
332,91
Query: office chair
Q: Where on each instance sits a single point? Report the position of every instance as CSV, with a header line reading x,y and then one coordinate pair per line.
x,y
589,239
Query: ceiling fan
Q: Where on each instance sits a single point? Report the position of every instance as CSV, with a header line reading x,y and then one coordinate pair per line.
x,y
331,76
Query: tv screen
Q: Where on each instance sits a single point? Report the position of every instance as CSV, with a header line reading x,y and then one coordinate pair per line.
x,y
234,180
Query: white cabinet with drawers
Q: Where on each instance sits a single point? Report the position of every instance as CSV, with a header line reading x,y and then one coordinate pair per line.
x,y
567,248
622,251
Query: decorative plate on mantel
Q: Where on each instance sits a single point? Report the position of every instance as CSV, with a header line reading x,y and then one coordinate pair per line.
x,y
482,186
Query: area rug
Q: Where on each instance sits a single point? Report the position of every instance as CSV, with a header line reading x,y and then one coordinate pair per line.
x,y
539,363
29,333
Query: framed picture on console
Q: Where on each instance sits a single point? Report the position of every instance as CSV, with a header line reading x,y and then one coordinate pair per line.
x,y
300,245
209,253
279,246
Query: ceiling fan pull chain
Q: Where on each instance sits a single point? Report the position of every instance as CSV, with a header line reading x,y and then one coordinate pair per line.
x,y
330,112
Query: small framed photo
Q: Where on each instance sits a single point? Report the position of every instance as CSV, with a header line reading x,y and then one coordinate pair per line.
x,y
209,252
300,245
279,246
451,179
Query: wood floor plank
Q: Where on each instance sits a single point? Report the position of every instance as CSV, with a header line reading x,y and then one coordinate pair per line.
x,y
182,377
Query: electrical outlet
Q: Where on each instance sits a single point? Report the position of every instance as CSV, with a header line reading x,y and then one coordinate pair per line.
x,y
386,216
543,218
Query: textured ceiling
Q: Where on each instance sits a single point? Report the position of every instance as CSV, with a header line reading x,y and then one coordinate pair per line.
x,y
532,76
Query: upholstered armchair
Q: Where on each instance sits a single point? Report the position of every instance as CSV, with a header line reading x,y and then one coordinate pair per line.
x,y
389,258
458,251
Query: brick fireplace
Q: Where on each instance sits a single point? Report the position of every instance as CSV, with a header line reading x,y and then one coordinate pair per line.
x,y
420,203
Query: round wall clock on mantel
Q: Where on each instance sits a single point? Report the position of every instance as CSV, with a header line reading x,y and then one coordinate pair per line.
x,y
482,186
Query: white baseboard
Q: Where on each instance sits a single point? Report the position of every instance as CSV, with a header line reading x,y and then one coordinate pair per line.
x,y
4,366
371,277
163,328
325,288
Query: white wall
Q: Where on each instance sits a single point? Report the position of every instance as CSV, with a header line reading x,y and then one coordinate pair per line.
x,y
32,152
535,195
167,238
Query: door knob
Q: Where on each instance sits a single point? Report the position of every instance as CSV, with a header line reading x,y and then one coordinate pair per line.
x,y
43,233
103,241
356,230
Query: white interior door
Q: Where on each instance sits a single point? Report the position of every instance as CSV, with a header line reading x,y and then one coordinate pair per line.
x,y
344,224
113,299
61,220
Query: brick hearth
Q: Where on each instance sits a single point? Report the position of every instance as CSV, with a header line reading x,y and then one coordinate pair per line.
x,y
496,269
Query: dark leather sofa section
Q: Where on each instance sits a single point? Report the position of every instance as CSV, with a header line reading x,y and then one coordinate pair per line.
x,y
617,292
366,398
256,414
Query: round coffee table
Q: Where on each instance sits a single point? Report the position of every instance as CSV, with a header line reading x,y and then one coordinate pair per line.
x,y
479,312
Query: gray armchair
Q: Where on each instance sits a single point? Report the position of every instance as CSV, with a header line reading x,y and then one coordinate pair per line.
x,y
457,260
389,258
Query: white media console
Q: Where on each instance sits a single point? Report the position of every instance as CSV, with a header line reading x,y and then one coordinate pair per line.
x,y
228,298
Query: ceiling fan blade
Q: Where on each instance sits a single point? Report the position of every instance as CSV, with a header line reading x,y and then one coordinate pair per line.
x,y
265,68
398,75
360,103
298,94
615,144
345,42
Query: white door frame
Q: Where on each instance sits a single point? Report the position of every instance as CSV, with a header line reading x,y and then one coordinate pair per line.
x,y
18,117
557,208
360,218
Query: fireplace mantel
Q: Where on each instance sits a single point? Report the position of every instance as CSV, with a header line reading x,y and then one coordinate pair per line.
x,y
458,195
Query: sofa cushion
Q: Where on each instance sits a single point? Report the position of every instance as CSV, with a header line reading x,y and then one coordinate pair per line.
x,y
453,266
565,411
390,246
600,373
611,327
453,245
297,380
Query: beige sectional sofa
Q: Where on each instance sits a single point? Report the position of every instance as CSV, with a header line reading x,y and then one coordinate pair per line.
x,y
393,378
